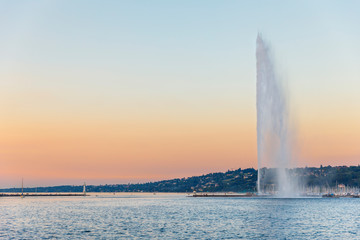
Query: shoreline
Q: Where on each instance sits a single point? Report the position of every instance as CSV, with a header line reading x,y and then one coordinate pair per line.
x,y
43,195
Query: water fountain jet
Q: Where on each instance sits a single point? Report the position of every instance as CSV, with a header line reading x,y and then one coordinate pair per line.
x,y
273,130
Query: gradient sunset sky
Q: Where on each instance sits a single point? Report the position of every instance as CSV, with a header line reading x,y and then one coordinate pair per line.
x,y
133,91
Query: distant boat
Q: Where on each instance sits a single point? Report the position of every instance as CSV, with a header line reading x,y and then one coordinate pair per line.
x,y
84,189
22,188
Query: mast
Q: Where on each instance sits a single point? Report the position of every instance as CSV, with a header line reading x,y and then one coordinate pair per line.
x,y
22,187
84,189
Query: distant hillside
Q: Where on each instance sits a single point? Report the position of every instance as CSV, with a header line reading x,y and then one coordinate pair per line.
x,y
240,180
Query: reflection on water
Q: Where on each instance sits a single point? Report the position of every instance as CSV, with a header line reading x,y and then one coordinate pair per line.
x,y
175,216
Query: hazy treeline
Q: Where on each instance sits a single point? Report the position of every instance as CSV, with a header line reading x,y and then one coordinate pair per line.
x,y
240,180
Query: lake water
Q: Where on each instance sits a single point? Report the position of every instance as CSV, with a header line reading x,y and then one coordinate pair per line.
x,y
167,216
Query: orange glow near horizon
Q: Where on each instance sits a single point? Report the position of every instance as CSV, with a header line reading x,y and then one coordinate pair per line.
x,y
147,149
153,149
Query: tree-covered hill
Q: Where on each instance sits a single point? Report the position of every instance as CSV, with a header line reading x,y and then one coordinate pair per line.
x,y
240,180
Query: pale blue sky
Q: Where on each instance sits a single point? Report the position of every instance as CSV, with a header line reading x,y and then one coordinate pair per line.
x,y
187,43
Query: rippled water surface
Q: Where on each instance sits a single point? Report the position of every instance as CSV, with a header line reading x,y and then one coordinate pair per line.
x,y
178,217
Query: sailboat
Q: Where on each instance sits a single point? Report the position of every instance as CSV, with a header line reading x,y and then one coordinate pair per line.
x,y
84,189
22,188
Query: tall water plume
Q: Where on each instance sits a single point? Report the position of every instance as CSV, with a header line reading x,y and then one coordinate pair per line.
x,y
273,130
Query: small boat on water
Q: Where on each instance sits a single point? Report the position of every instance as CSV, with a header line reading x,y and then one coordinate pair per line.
x,y
330,195
348,195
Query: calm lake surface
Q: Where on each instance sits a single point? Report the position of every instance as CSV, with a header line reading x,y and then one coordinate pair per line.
x,y
175,216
